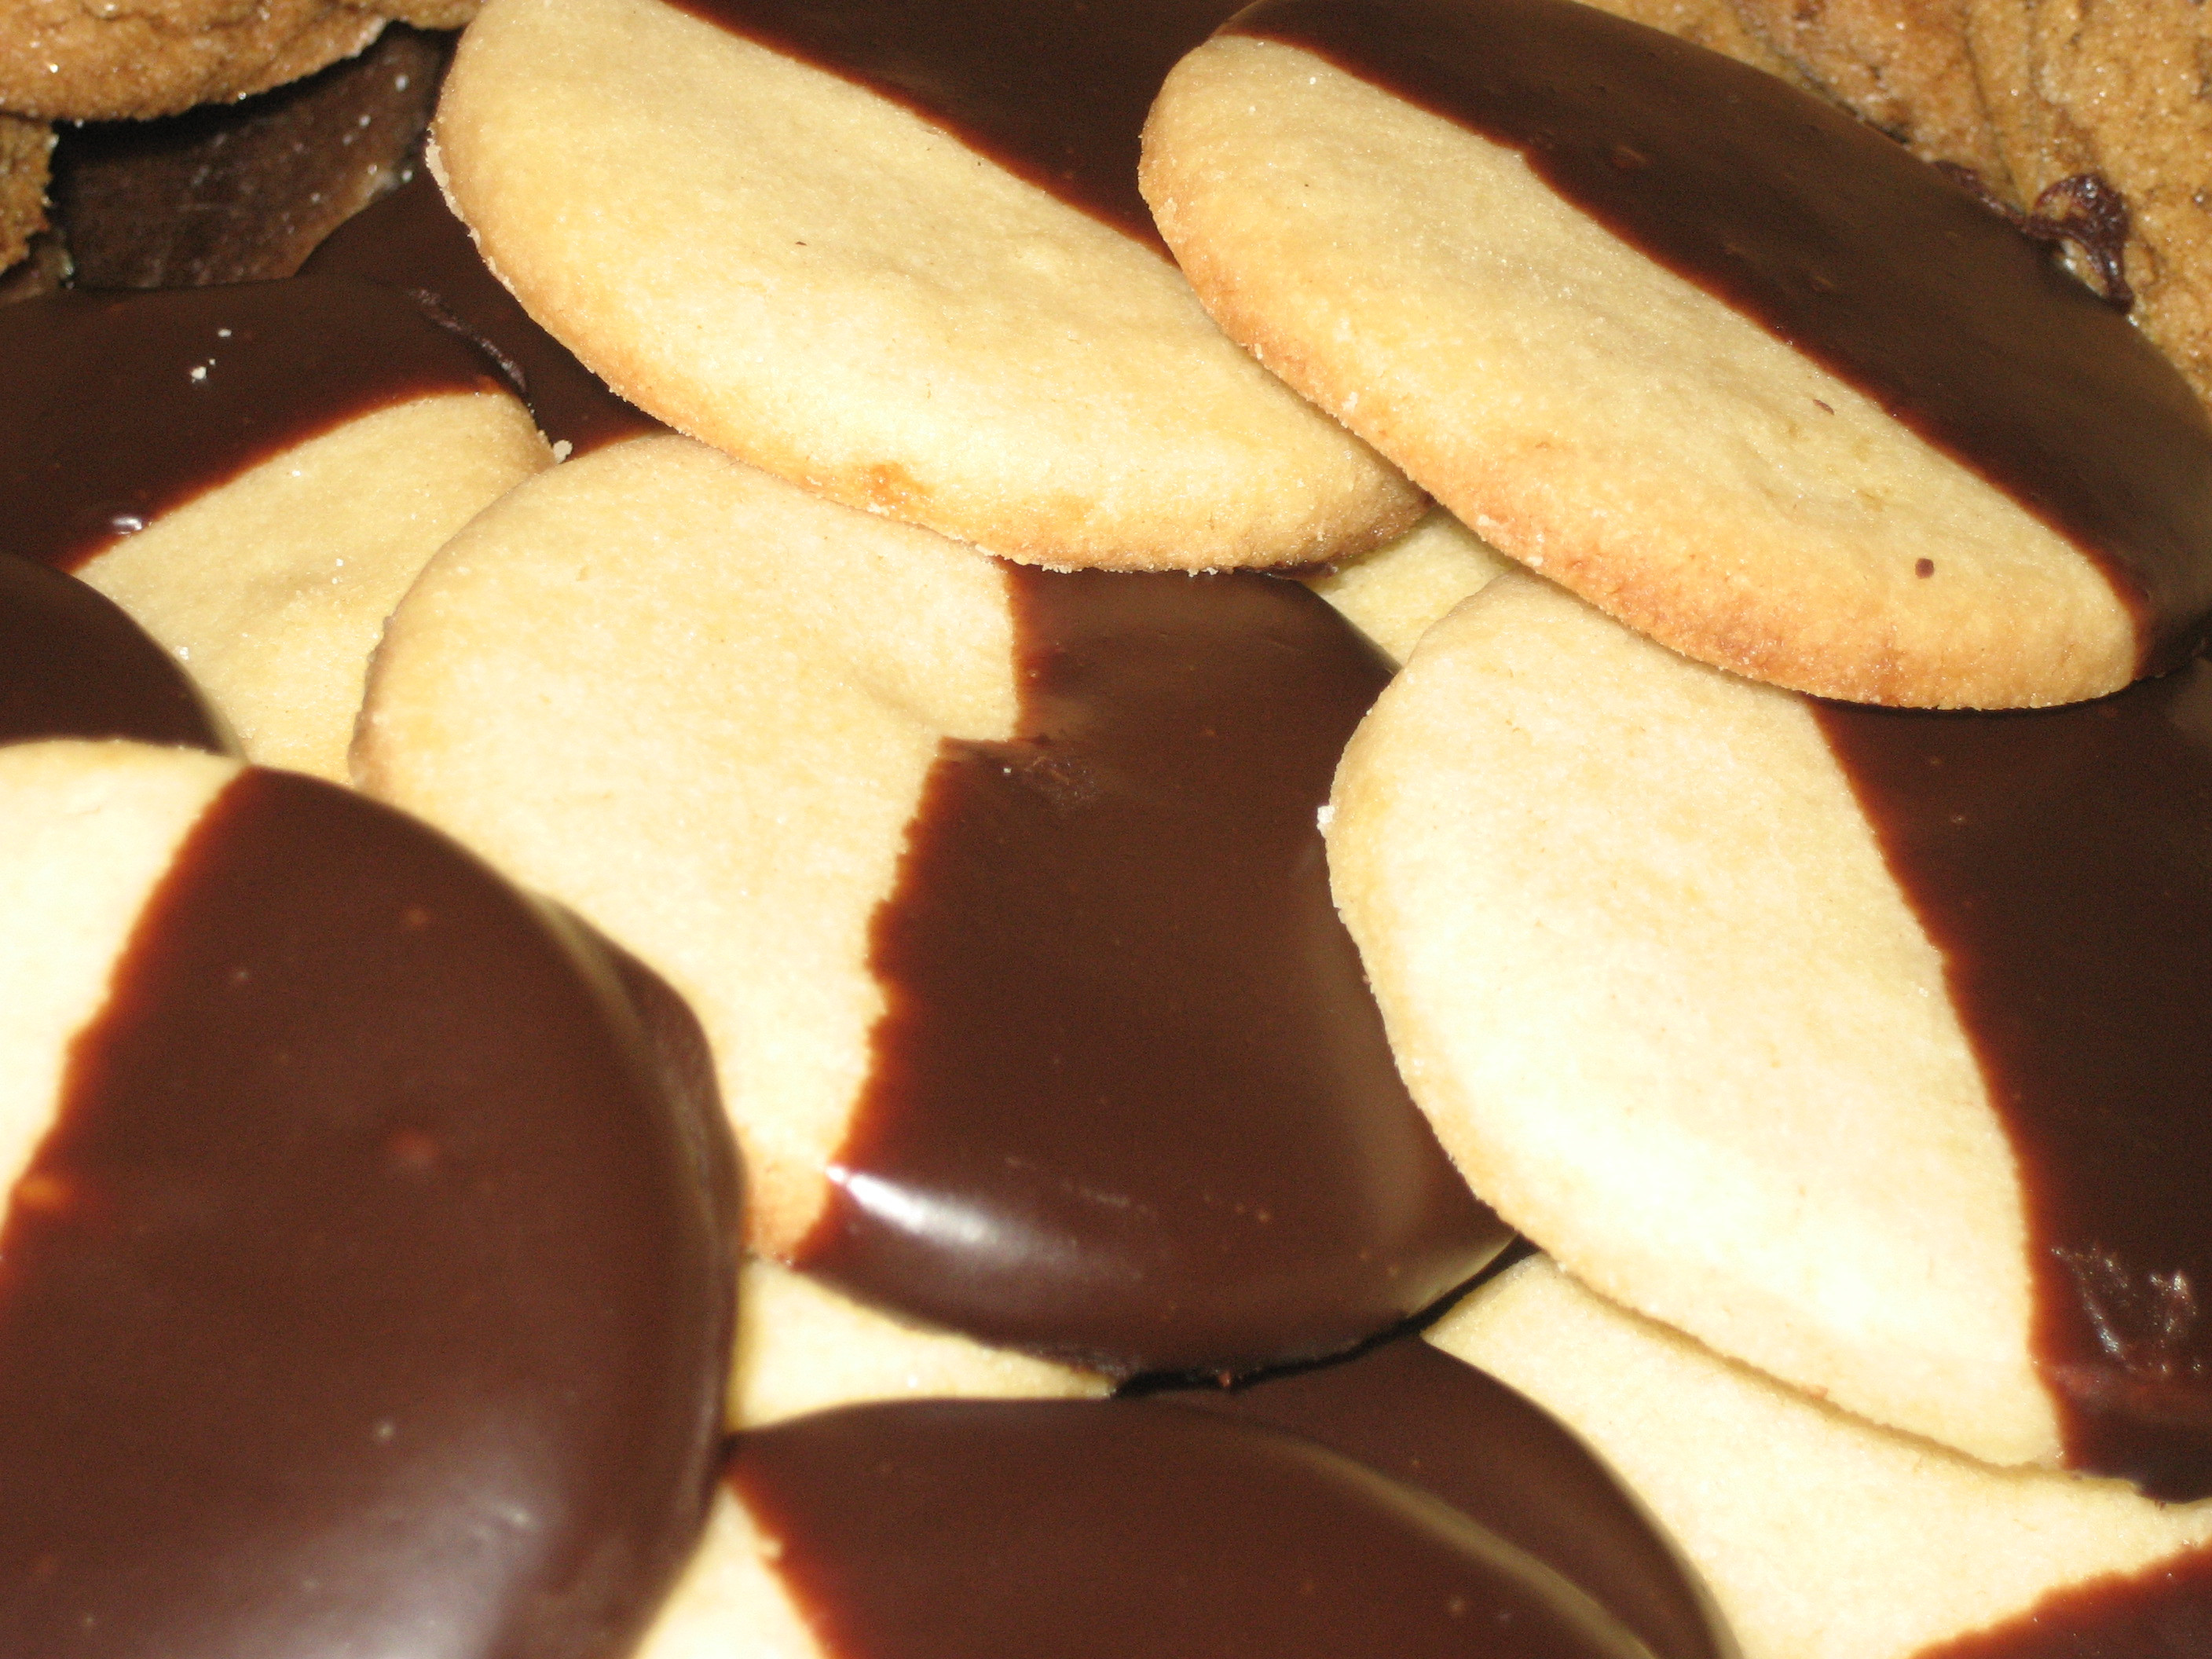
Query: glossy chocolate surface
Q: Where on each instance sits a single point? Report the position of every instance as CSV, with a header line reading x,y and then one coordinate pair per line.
x,y
1131,1104
1837,242
410,240
949,1528
367,1296
72,665
1056,94
1412,1412
121,406
2061,861
2163,1614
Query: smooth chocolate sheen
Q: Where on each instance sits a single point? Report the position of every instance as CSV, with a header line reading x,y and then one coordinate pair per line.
x,y
1412,1412
1131,1104
73,664
410,240
1054,93
121,406
1837,242
367,1296
2062,862
1088,1529
2165,1613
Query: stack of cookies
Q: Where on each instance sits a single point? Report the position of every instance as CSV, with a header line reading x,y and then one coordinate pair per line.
x,y
790,490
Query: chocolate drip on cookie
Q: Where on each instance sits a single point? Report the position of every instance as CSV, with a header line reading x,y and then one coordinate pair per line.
x,y
2061,861
410,240
1131,1102
366,1296
942,1529
121,406
1056,94
72,665
2165,1613
1413,1413
1839,243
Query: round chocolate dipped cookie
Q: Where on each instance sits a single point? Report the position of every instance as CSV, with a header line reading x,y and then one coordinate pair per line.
x,y
255,473
997,889
1838,1539
1860,1044
369,1243
1704,349
897,255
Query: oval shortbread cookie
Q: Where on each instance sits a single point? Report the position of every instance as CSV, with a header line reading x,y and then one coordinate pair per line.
x,y
367,1284
1838,1539
1858,1043
980,878
846,294
1764,387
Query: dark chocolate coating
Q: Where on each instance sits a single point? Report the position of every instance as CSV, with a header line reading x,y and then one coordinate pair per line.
x,y
2061,861
1098,1529
1837,242
1131,1103
2165,1613
368,1295
121,406
410,240
1412,1412
1056,94
73,664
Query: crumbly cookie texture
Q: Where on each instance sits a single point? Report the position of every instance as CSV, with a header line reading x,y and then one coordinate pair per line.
x,y
75,60
618,684
25,148
1644,967
848,297
1817,1548
1597,417
272,588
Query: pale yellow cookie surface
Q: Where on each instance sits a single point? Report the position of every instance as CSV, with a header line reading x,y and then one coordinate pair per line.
x,y
1597,417
846,296
272,588
1643,965
1821,1536
1394,593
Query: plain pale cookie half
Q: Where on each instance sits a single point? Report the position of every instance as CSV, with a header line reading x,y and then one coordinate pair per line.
x,y
1821,1536
1598,417
1645,967
799,272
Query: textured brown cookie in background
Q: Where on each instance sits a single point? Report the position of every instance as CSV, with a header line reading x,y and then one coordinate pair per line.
x,y
79,60
1714,24
244,193
25,147
2123,91
1902,64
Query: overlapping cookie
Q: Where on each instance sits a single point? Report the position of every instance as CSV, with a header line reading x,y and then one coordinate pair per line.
x,y
1712,353
998,891
983,337
1858,1043
255,474
369,1245
1837,1540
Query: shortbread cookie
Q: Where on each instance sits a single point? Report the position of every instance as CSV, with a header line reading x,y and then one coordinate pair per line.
x,y
1538,366
960,1529
255,473
366,1293
1837,1540
1858,1043
984,882
1393,594
244,193
846,294
25,148
68,60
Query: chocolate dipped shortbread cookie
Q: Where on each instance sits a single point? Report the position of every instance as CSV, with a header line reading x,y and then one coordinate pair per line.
x,y
1709,352
999,888
897,256
1859,1044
